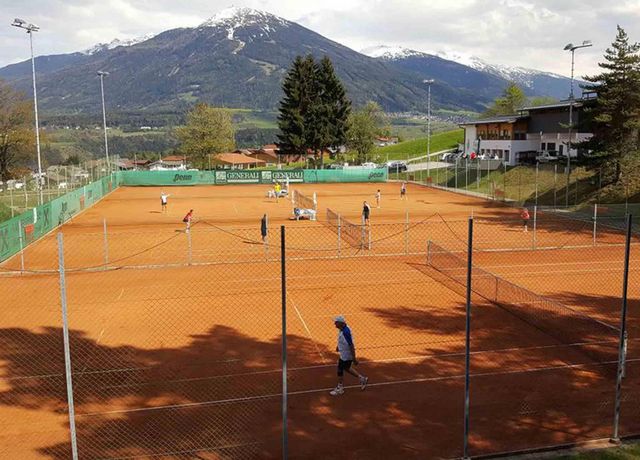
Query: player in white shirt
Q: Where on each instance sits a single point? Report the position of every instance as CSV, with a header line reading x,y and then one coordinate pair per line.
x,y
347,351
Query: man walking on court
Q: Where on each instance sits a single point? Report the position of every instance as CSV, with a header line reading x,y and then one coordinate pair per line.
x,y
347,351
403,191
378,198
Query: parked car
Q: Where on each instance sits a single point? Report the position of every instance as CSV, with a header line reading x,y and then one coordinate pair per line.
x,y
546,157
369,165
396,166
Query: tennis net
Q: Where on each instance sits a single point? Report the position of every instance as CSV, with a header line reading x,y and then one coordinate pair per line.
x,y
300,200
563,323
357,236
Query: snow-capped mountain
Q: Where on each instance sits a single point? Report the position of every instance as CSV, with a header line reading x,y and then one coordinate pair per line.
x,y
239,57
116,42
390,52
534,82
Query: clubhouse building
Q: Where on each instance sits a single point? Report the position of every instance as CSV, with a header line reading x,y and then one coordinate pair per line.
x,y
535,131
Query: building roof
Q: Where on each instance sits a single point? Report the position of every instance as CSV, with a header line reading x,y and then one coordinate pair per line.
x,y
501,119
236,159
175,158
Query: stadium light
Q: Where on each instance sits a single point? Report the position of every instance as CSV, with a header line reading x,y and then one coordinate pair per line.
x,y
571,47
428,82
30,28
103,74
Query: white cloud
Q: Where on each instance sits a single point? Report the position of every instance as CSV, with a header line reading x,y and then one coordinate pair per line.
x,y
528,33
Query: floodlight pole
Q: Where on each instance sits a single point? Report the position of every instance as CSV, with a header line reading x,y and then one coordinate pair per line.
x,y
429,83
30,28
572,48
104,119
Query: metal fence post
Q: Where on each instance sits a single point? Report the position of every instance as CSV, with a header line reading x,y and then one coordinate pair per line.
x,y
467,355
266,239
67,351
406,232
429,252
535,225
537,175
106,243
595,223
623,334
11,198
339,234
283,276
21,246
555,184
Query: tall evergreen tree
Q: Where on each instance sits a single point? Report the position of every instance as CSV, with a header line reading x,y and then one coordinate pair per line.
x,y
616,116
512,100
314,110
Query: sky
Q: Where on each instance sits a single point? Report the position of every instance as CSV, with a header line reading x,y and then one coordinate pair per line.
x,y
527,33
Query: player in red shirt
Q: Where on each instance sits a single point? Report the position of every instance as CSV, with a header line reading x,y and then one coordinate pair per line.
x,y
525,218
187,220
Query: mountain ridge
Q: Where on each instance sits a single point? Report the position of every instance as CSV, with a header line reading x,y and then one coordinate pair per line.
x,y
238,58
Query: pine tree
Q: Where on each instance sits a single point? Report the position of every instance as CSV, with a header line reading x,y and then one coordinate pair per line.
x,y
333,109
292,136
616,116
314,110
512,100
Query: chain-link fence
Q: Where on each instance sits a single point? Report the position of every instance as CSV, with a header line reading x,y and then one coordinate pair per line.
x,y
22,194
543,184
168,343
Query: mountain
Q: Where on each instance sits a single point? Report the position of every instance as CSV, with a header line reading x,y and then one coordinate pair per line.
x,y
533,82
238,58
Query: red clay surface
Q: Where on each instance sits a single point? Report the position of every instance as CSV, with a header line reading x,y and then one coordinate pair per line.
x,y
185,360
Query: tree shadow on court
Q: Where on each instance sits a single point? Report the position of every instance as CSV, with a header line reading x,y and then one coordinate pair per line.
x,y
220,393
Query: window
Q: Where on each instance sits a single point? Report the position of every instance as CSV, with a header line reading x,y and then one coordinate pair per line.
x,y
561,149
543,147
505,157
551,146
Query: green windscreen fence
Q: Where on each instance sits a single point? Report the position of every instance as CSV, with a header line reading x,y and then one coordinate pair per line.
x,y
20,231
225,177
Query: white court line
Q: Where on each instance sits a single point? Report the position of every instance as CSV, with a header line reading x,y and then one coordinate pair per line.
x,y
324,360
323,390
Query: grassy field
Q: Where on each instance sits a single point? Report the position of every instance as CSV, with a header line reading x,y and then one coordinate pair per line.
x,y
418,147
627,452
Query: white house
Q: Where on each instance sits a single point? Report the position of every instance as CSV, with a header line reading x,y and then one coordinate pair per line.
x,y
520,138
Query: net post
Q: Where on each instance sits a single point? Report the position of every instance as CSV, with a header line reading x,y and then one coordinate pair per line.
x,y
428,252
339,233
20,228
406,232
67,351
615,438
283,277
467,360
535,226
266,241
189,248
595,223
106,243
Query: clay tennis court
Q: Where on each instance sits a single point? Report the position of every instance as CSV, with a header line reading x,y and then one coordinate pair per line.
x,y
176,348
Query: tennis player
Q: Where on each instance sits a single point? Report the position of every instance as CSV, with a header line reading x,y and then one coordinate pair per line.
x,y
187,220
263,228
525,218
366,210
403,190
277,188
164,199
347,351
378,198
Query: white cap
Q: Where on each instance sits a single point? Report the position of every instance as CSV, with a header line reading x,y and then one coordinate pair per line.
x,y
340,319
